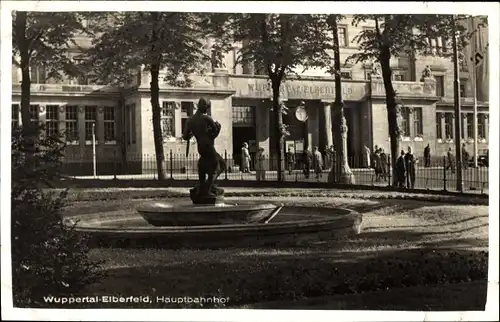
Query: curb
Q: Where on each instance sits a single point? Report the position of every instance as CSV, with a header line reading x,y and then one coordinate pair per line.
x,y
100,195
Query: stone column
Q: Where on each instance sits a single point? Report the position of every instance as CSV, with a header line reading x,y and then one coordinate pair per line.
x,y
311,126
327,111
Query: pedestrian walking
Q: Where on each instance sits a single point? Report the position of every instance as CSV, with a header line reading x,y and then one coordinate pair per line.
x,y
451,160
374,157
427,156
410,163
377,164
317,162
401,170
290,160
366,157
260,170
326,157
307,159
245,158
465,157
383,164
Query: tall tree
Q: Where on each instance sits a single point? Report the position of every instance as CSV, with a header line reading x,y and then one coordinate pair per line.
x,y
42,39
282,44
159,41
393,36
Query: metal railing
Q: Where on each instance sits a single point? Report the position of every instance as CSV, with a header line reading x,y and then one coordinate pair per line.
x,y
437,174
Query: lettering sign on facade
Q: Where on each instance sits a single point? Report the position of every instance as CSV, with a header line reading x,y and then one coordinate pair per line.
x,y
298,89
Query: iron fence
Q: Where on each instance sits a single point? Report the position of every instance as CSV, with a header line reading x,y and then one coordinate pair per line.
x,y
436,174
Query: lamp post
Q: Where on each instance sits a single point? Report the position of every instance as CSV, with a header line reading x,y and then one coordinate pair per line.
x,y
458,108
344,175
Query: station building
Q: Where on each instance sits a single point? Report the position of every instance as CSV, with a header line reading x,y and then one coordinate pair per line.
x,y
241,102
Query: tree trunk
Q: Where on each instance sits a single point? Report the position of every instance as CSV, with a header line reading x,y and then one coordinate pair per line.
x,y
156,109
280,138
392,110
22,43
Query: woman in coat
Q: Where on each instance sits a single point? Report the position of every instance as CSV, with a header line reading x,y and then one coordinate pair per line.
x,y
245,158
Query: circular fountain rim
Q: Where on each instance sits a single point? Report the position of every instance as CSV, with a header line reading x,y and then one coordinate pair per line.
x,y
187,208
343,214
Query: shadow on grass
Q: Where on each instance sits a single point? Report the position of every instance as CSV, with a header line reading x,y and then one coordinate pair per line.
x,y
254,279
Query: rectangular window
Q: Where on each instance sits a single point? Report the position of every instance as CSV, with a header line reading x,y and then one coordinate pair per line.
x,y
243,115
34,113
399,78
439,85
109,124
15,115
470,125
405,122
448,126
167,119
186,113
439,128
417,122
481,126
90,122
38,74
52,120
462,89
368,74
345,75
343,41
71,123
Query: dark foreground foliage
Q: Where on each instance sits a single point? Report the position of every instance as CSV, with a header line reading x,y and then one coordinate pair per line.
x,y
47,256
283,278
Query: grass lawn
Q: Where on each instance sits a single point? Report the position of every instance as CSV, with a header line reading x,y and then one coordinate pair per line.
x,y
403,243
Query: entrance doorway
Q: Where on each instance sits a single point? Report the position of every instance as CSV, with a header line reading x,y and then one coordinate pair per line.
x,y
242,134
244,131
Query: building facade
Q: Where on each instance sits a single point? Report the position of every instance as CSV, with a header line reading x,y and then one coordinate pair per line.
x,y
121,118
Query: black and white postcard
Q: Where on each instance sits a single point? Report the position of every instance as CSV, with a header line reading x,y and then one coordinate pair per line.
x,y
249,160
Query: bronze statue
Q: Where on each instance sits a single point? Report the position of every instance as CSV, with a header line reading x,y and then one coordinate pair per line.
x,y
210,165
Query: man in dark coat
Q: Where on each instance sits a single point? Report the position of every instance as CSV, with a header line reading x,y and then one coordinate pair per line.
x,y
451,161
401,170
307,159
465,157
410,163
290,160
427,156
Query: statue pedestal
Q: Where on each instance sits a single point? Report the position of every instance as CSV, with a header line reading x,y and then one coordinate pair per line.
x,y
216,198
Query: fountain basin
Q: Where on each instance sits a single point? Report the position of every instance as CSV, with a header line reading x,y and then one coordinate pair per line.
x,y
161,214
292,226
